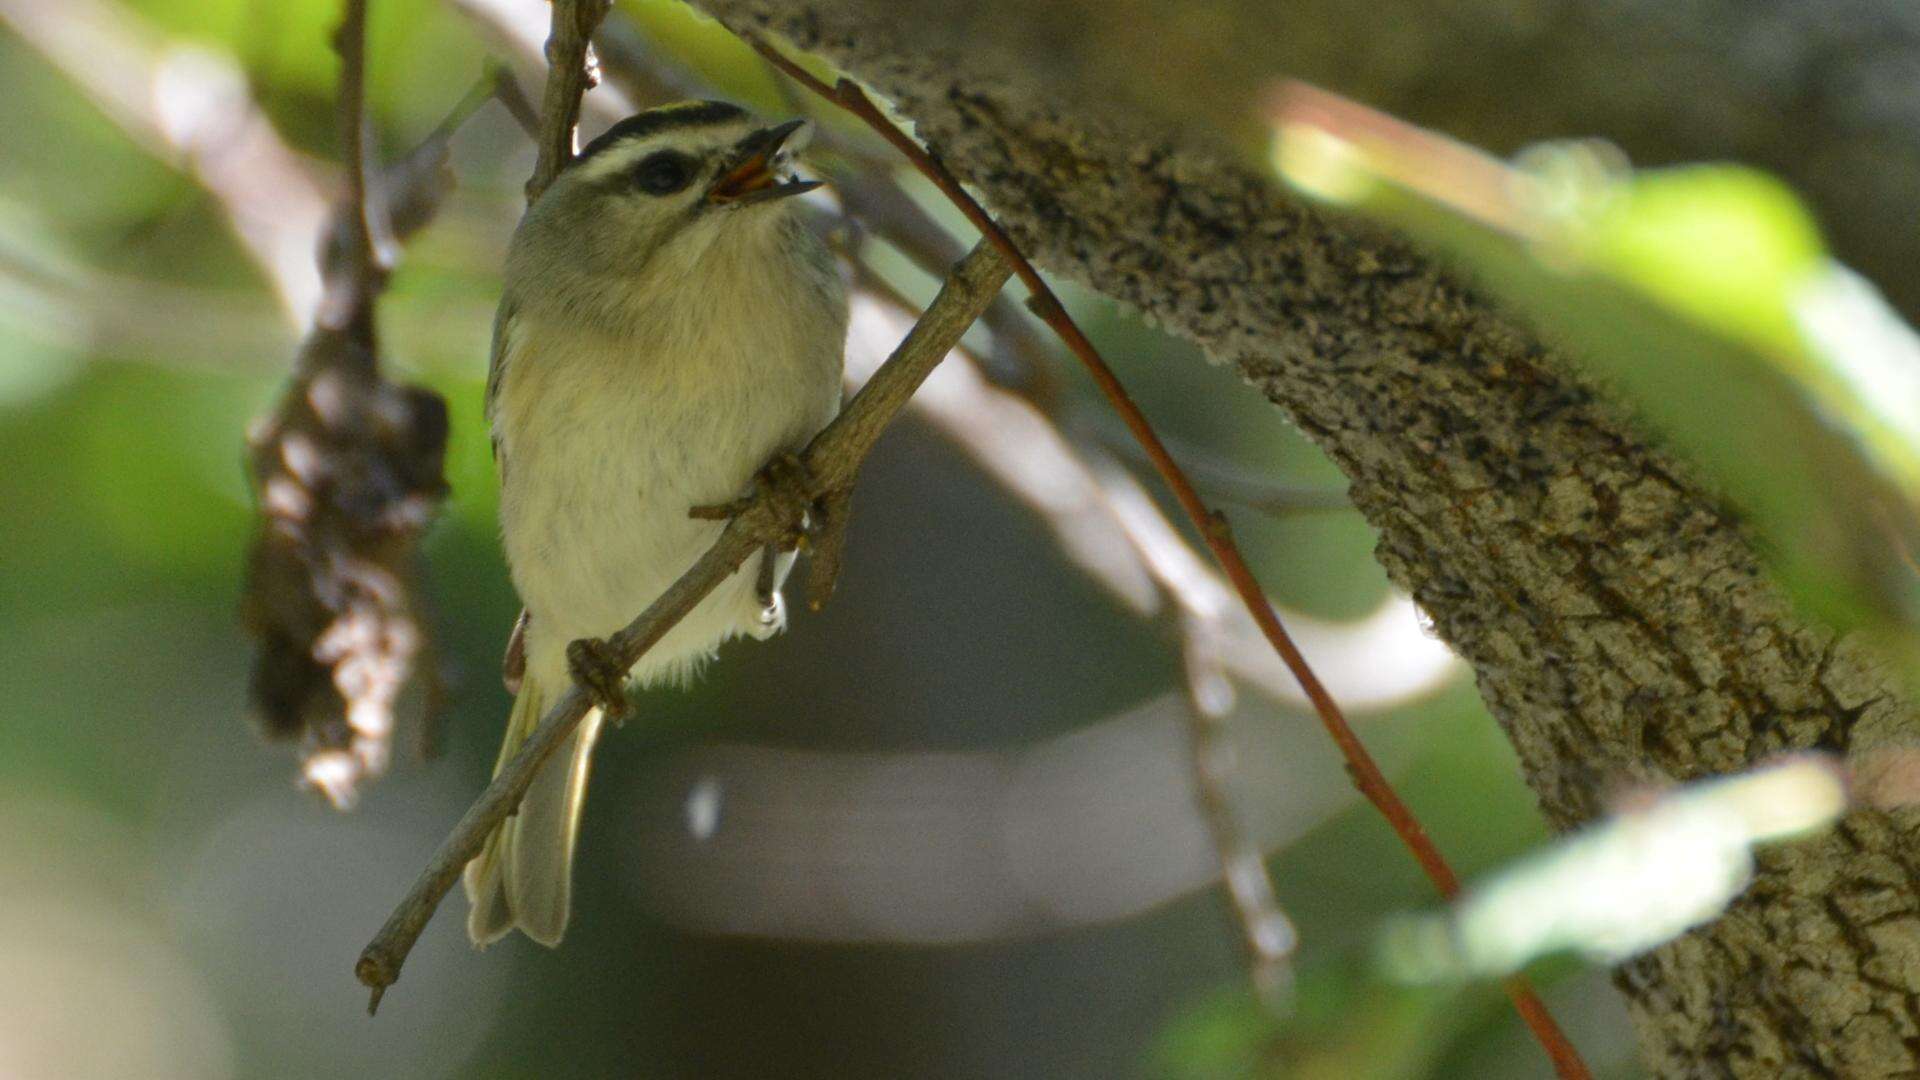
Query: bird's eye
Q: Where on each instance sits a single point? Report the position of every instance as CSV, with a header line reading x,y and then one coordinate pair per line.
x,y
663,173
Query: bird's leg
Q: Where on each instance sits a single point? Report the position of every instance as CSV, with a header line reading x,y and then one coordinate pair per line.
x,y
766,593
599,672
785,481
763,584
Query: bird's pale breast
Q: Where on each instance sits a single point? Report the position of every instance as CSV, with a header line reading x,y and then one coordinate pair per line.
x,y
609,439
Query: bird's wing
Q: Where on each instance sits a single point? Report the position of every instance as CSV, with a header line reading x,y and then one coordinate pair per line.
x,y
514,665
503,326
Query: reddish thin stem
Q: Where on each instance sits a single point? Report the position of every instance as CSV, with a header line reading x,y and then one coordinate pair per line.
x,y
1213,528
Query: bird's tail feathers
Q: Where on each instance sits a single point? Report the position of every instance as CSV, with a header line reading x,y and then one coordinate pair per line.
x,y
523,878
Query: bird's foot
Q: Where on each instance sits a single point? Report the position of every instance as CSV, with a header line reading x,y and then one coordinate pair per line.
x,y
789,490
785,485
597,669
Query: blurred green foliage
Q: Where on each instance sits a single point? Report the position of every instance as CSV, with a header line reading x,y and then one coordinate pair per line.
x,y
1726,247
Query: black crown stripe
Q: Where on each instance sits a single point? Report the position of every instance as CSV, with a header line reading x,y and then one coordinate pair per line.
x,y
686,114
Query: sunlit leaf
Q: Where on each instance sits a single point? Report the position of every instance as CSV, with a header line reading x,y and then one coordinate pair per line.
x,y
1625,886
1726,246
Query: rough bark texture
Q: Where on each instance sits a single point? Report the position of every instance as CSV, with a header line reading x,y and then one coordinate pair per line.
x,y
1617,619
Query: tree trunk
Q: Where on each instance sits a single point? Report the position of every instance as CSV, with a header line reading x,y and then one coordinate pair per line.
x,y
1615,615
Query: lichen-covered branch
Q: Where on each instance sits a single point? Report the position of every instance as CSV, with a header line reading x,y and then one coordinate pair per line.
x,y
1616,617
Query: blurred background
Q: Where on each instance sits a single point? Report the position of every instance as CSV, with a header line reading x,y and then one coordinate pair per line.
x,y
945,828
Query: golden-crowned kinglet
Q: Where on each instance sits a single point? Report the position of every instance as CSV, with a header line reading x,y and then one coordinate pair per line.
x,y
668,324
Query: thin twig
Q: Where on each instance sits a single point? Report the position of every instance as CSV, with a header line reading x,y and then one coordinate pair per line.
x,y
495,83
361,270
570,74
1265,930
518,33
1221,478
350,40
1101,523
1020,350
832,461
514,97
1213,528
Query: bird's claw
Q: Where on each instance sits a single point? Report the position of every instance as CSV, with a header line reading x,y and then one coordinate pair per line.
x,y
598,671
786,484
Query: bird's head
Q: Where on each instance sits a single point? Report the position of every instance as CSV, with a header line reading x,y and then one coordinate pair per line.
x,y
658,190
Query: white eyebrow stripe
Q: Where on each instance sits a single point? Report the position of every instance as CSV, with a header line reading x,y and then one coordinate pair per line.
x,y
697,142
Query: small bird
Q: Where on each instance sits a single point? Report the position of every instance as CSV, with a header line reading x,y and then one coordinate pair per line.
x,y
668,325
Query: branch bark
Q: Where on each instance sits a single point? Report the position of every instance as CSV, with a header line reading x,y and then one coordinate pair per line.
x,y
1616,616
571,72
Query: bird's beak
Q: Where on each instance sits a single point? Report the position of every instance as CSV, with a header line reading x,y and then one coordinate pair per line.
x,y
749,175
